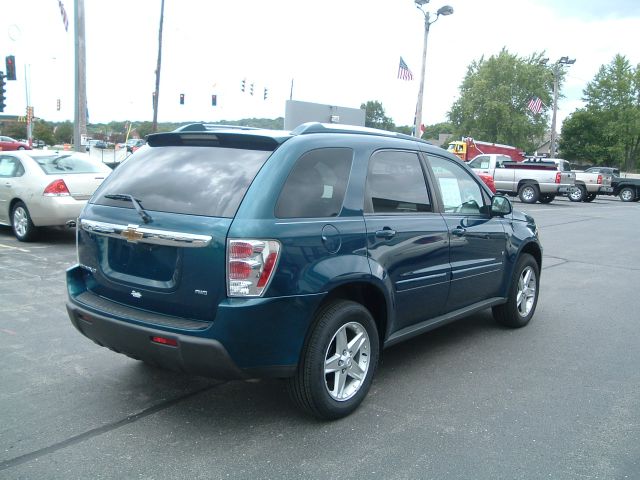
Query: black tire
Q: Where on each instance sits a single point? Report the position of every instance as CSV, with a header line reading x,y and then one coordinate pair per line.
x,y
310,387
20,148
546,198
577,194
529,193
23,227
627,194
590,197
513,314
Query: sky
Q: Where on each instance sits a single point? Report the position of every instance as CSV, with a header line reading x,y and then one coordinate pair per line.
x,y
337,52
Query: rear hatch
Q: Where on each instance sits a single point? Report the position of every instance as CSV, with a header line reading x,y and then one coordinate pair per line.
x,y
154,235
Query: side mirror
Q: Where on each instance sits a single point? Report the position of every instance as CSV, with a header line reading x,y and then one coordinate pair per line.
x,y
500,206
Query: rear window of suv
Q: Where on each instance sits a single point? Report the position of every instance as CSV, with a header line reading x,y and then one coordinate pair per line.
x,y
208,181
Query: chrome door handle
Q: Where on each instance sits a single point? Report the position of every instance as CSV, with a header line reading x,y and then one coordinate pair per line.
x,y
386,232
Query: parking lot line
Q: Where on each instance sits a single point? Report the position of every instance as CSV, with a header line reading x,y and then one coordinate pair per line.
x,y
15,248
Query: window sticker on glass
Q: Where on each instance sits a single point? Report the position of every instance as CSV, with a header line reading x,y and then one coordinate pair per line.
x,y
450,192
328,191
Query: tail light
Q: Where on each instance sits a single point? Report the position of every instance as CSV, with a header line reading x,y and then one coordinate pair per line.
x,y
57,188
599,179
558,177
250,266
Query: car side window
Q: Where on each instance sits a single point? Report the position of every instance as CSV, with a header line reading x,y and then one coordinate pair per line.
x,y
480,162
10,167
316,185
460,192
396,184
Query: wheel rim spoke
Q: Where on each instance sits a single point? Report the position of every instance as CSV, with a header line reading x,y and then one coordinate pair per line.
x,y
339,384
331,364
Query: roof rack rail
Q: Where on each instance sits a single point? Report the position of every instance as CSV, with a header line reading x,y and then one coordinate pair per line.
x,y
317,127
210,127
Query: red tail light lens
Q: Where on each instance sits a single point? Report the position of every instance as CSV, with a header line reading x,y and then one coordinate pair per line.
x,y
250,266
558,177
239,270
57,188
599,179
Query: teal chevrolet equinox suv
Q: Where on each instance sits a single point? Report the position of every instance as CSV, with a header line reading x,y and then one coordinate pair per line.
x,y
241,253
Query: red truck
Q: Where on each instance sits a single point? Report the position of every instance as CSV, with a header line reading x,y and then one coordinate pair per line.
x,y
468,148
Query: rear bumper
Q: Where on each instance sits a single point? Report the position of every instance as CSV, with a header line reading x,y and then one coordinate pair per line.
x,y
54,211
199,356
606,190
249,338
564,189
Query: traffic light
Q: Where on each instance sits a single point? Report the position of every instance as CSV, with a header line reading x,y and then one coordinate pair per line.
x,y
58,105
2,92
10,62
251,89
182,99
214,100
265,93
244,82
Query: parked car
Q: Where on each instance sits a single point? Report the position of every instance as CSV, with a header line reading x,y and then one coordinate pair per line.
x,y
101,144
243,254
588,183
531,181
8,144
45,188
134,144
628,189
607,170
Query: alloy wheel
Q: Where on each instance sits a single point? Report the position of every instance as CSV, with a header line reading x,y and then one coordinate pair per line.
x,y
526,291
347,361
20,221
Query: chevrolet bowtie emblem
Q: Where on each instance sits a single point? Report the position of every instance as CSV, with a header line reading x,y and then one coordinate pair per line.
x,y
132,234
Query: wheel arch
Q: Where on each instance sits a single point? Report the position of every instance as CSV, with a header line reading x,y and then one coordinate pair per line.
x,y
371,296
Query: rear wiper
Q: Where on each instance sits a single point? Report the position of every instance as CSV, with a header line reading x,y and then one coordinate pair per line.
x,y
146,218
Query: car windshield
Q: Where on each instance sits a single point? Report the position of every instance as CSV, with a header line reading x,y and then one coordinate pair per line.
x,y
71,163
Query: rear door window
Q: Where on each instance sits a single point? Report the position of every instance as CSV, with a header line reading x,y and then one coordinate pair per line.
x,y
396,184
209,181
316,185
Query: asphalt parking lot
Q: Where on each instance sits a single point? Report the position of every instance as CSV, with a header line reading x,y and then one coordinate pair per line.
x,y
558,399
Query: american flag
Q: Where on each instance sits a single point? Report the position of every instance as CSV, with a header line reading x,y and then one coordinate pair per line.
x,y
535,105
403,71
63,12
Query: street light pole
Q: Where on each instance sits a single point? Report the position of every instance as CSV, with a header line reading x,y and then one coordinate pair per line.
x,y
446,10
557,70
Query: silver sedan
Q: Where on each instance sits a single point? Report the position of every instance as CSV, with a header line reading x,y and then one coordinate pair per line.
x,y
45,188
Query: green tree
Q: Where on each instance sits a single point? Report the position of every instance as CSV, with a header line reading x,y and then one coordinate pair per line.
x,y
64,132
375,116
17,130
43,131
612,114
494,97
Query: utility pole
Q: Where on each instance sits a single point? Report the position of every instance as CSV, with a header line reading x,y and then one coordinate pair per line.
x,y
157,90
557,70
80,117
446,10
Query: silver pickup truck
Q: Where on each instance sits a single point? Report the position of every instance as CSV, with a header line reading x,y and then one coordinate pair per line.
x,y
588,184
532,181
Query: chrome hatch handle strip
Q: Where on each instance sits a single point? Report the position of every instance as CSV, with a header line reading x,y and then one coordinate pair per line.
x,y
134,234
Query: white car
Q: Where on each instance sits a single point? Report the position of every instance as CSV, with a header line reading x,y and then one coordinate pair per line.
x,y
45,188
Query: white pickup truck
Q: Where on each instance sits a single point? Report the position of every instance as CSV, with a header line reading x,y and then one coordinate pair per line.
x,y
532,181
